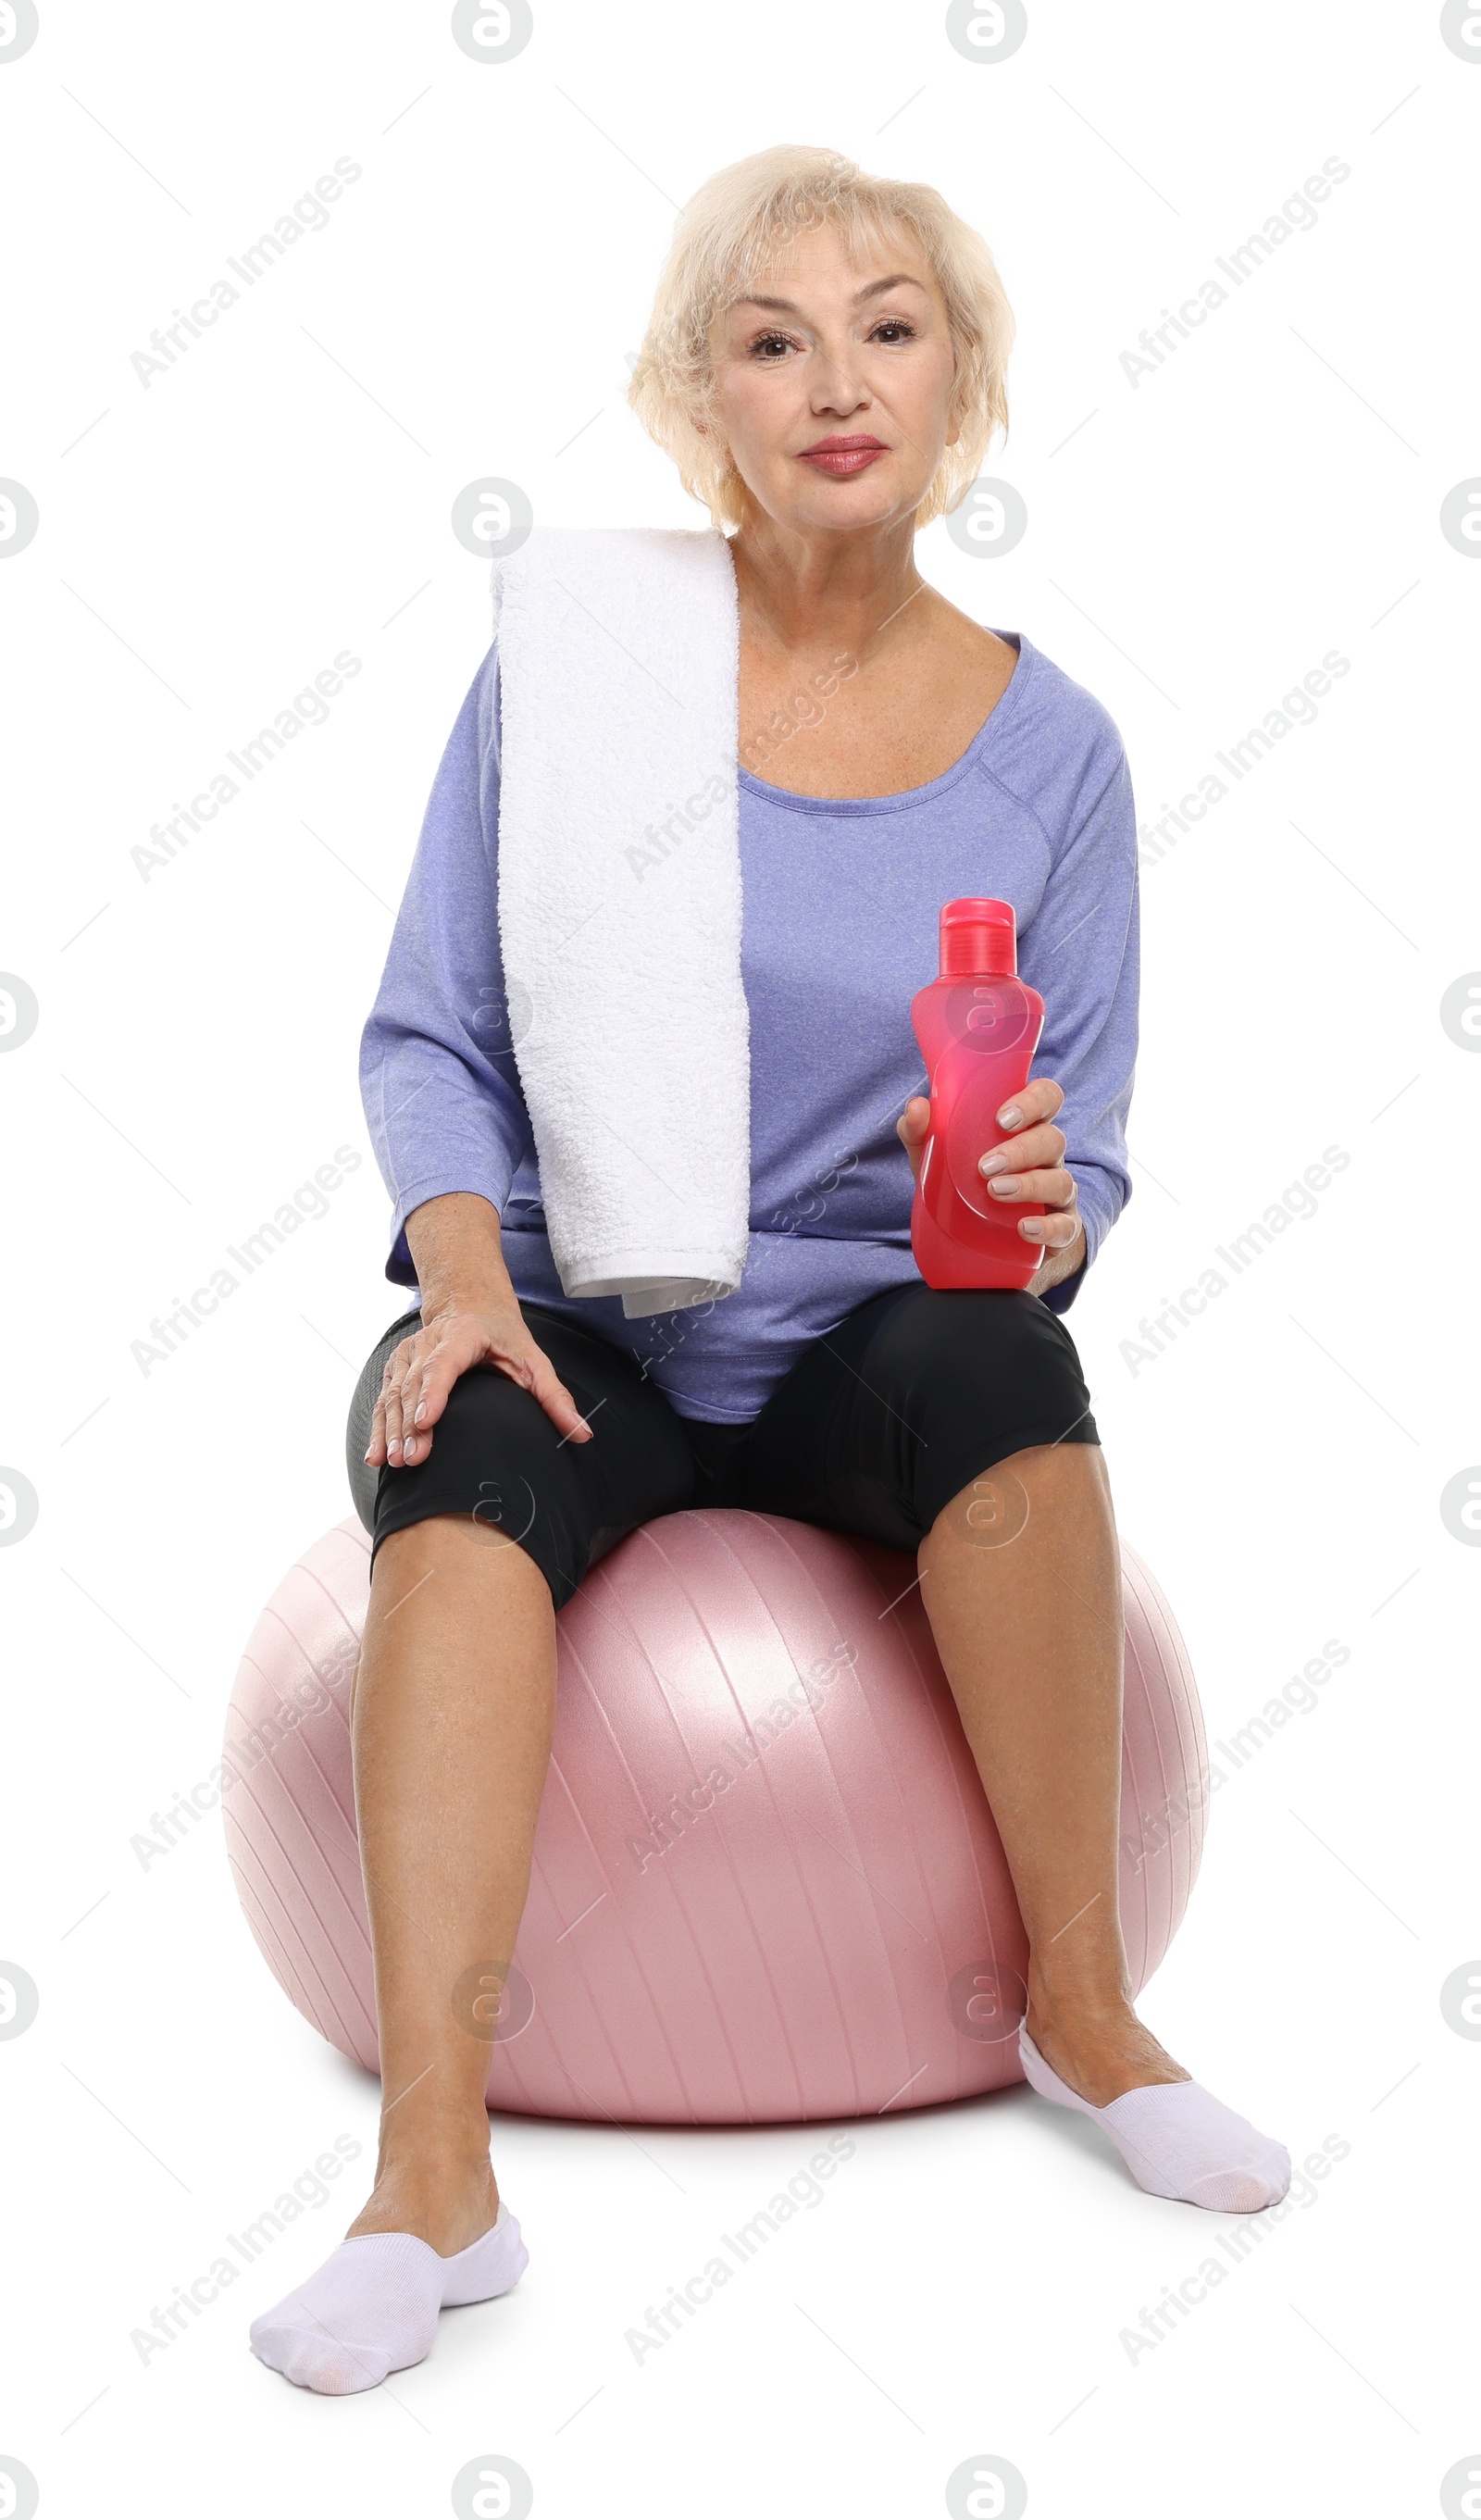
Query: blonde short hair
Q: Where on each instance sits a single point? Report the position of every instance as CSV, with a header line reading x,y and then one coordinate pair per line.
x,y
736,224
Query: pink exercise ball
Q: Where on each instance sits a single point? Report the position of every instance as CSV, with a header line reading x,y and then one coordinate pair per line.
x,y
767,1885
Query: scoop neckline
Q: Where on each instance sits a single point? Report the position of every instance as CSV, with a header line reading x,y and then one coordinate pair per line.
x,y
1002,707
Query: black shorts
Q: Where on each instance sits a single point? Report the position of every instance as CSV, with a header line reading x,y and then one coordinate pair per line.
x,y
875,1429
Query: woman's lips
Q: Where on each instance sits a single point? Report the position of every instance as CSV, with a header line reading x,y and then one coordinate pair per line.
x,y
843,456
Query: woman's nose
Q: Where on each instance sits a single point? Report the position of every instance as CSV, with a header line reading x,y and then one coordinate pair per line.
x,y
838,388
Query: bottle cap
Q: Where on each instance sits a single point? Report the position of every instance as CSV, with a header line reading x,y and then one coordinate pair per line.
x,y
978,937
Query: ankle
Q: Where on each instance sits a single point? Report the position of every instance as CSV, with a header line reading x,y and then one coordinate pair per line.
x,y
1098,2001
451,2138
1102,2051
447,2200
426,2161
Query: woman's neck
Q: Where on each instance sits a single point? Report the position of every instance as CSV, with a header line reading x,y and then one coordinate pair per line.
x,y
803,594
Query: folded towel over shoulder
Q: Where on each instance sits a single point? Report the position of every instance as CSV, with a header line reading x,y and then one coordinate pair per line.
x,y
619,903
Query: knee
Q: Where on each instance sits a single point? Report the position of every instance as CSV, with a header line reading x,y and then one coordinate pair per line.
x,y
487,1404
1045,1497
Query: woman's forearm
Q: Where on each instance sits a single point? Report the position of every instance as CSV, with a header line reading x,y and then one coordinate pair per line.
x,y
454,1246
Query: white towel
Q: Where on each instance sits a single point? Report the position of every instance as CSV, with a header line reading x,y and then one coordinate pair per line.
x,y
619,903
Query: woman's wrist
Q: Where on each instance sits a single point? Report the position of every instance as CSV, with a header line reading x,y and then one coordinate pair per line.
x,y
438,1303
457,1253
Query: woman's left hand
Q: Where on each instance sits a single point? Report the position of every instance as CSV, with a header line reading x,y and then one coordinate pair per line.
x,y
1027,1166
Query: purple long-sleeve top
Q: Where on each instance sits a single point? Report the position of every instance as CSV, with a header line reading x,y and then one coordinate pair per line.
x,y
841,901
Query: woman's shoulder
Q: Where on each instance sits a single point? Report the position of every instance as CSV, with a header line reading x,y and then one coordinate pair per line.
x,y
1057,747
1056,708
1057,750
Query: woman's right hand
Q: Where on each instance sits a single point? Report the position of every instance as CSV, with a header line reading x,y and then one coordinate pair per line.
x,y
421,1372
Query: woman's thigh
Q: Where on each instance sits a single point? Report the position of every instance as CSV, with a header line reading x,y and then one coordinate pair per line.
x,y
497,1457
917,1393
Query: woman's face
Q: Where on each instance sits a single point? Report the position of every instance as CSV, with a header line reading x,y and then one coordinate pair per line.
x,y
824,350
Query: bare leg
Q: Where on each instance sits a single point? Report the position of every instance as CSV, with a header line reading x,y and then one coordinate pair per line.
x,y
453,1710
1029,1631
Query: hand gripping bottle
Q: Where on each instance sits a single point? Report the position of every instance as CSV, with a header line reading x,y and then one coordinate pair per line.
x,y
978,1028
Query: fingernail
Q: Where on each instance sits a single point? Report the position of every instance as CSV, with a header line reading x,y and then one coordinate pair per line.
x,y
1032,1229
421,1413
1010,1117
1006,1187
992,1164
367,1457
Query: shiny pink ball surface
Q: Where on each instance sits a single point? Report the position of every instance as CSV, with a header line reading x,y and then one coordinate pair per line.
x,y
767,1885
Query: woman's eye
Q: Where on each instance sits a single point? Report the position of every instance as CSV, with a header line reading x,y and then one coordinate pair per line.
x,y
895,325
769,345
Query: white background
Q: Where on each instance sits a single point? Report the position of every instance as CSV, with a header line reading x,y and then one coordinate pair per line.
x,y
1197,543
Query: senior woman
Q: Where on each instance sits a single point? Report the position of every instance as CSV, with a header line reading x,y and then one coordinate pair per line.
x,y
826,364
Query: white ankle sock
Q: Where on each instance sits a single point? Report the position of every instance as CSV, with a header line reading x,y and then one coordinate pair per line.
x,y
373,2306
1178,2140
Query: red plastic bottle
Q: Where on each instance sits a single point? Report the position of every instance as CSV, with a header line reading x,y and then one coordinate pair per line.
x,y
979,1028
